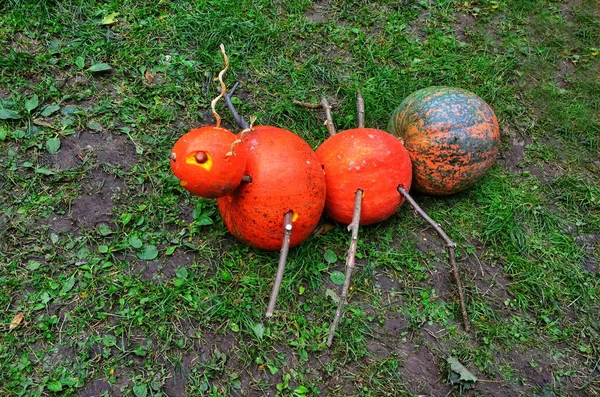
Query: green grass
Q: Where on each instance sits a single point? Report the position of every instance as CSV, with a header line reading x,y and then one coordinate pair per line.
x,y
130,285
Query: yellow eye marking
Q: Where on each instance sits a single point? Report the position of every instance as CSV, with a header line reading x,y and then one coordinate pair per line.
x,y
183,183
207,165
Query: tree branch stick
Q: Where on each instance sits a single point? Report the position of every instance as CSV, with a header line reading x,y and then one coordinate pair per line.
x,y
451,245
350,264
360,109
236,116
323,105
285,247
328,119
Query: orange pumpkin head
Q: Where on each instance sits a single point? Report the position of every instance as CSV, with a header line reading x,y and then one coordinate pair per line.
x,y
370,160
201,161
452,137
286,176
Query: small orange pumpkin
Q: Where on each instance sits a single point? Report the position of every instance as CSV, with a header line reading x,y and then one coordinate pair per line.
x,y
452,137
200,161
286,176
370,160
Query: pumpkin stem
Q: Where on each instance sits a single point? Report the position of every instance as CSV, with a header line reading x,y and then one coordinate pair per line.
x,y
350,263
360,109
323,105
223,87
285,247
243,133
451,245
238,119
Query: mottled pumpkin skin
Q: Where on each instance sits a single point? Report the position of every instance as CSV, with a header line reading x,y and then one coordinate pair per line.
x,y
452,137
286,176
219,174
370,160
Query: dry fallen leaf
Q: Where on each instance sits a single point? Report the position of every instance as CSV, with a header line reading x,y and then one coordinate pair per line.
x,y
149,77
16,321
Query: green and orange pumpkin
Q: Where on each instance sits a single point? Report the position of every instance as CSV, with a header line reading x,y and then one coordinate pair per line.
x,y
452,137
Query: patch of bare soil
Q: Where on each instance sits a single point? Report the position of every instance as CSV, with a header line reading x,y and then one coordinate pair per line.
x,y
95,204
319,12
85,147
417,27
462,26
564,73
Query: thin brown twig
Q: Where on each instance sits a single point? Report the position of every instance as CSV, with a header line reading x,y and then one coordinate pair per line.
x,y
360,109
240,120
350,263
308,105
451,245
328,119
323,105
285,247
223,87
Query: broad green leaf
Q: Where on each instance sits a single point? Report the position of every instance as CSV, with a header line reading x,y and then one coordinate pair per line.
x,y
135,242
149,253
3,134
32,103
109,340
54,386
204,220
80,62
49,110
100,67
110,19
68,285
104,229
94,125
181,272
33,265
170,250
140,390
259,330
6,114
462,374
337,277
331,293
330,256
44,171
53,145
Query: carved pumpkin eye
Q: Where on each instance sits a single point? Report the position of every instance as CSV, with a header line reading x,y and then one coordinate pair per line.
x,y
201,157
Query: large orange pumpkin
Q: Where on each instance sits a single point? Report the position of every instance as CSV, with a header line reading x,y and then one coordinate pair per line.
x,y
370,160
452,137
286,176
199,159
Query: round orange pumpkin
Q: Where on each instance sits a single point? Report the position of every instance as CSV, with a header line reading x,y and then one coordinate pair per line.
x,y
286,176
199,159
452,137
370,160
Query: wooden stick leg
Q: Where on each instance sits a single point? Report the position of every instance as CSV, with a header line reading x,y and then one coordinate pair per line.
x,y
450,245
240,121
285,247
323,105
360,109
350,264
